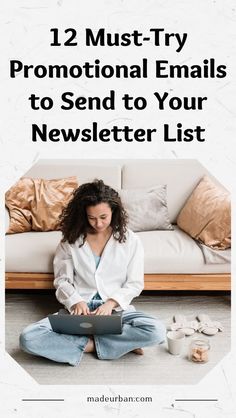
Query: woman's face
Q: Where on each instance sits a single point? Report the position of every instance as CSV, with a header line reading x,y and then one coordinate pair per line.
x,y
99,216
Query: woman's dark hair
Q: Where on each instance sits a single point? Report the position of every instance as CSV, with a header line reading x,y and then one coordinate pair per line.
x,y
73,220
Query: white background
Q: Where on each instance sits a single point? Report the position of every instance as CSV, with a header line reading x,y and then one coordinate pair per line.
x,y
25,35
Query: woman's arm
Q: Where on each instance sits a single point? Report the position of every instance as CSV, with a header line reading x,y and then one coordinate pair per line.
x,y
134,283
64,277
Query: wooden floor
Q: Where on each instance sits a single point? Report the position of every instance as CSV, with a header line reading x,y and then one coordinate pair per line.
x,y
157,366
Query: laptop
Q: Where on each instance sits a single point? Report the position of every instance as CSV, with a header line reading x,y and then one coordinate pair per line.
x,y
64,323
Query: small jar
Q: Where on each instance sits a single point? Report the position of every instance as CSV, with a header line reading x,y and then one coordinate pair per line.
x,y
199,350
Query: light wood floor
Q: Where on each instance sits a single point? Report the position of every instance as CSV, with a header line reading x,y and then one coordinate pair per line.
x,y
157,366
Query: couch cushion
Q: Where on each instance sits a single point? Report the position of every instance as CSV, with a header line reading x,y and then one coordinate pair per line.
x,y
165,252
86,170
180,175
31,251
175,252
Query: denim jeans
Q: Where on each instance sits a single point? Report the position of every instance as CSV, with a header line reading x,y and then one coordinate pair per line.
x,y
138,330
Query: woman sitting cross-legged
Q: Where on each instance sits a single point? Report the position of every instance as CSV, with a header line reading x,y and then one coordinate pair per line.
x,y
98,268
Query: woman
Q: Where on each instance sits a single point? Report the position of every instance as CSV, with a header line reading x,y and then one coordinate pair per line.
x,y
98,268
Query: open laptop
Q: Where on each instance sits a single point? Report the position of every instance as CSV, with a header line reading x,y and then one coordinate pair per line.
x,y
64,323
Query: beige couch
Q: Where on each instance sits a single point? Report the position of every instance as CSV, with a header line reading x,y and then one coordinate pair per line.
x,y
172,259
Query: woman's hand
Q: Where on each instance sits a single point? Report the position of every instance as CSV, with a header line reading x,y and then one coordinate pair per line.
x,y
80,308
105,308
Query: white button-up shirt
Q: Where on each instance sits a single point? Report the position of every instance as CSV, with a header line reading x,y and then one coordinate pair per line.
x,y
119,275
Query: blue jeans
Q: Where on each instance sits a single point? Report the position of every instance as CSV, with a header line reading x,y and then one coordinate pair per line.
x,y
138,330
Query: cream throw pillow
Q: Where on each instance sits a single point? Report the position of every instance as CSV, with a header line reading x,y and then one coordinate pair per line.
x,y
146,208
36,204
206,216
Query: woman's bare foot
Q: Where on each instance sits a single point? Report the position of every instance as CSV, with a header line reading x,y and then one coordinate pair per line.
x,y
90,347
138,351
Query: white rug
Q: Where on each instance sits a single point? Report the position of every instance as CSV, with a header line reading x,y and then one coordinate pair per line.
x,y
157,366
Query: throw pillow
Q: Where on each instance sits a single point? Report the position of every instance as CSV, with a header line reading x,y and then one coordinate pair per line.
x,y
147,208
36,204
206,216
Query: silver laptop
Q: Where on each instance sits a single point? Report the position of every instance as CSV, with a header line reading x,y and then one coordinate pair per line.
x,y
64,323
